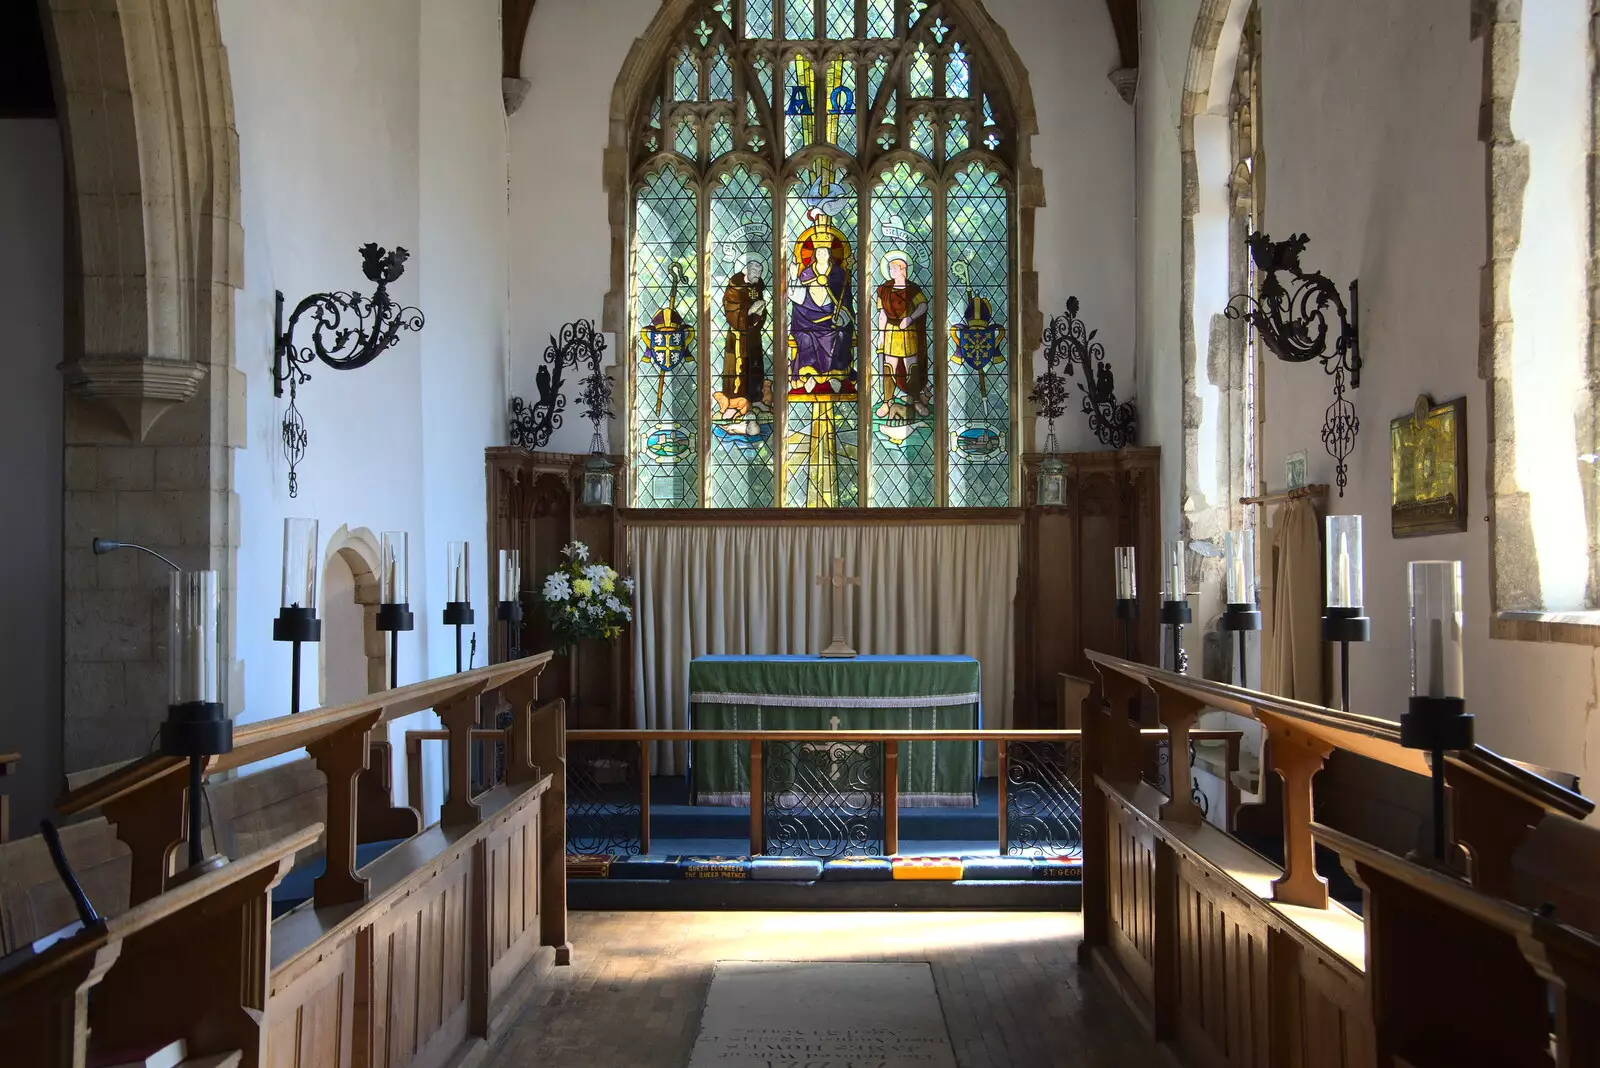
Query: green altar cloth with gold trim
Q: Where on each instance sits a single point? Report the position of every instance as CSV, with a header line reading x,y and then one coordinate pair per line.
x,y
907,693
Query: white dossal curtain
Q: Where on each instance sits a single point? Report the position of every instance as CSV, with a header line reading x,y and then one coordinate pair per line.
x,y
929,589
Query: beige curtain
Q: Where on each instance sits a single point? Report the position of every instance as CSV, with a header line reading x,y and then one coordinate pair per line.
x,y
1291,642
932,589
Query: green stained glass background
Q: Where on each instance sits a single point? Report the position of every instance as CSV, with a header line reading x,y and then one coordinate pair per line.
x,y
665,399
979,397
904,457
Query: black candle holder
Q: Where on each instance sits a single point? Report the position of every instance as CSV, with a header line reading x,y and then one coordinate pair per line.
x,y
1174,615
458,614
1437,724
1345,625
1128,612
296,625
1242,618
510,613
197,730
395,618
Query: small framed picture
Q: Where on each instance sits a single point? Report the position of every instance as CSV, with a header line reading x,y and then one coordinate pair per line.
x,y
1294,470
1428,481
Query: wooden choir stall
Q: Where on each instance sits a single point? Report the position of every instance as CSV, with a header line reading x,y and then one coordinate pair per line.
x,y
409,959
1235,961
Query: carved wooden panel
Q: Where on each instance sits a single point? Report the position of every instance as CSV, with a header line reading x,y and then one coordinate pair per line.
x,y
511,886
311,1015
1330,1023
1222,974
1132,896
420,968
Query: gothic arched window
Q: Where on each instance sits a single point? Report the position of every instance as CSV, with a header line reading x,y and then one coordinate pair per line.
x,y
822,262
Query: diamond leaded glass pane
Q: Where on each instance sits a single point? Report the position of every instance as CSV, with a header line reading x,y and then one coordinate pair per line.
x,y
739,262
721,75
880,18
821,428
800,113
921,73
841,19
686,76
801,19
757,19
721,139
957,76
922,134
978,244
904,412
955,138
842,104
685,141
666,377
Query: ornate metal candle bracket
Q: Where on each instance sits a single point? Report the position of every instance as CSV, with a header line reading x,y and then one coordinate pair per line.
x,y
579,342
1304,321
1068,342
348,331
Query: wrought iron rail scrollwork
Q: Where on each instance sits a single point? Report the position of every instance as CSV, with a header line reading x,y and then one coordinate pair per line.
x,y
1044,799
348,331
575,343
1304,321
1161,776
604,799
1069,343
823,799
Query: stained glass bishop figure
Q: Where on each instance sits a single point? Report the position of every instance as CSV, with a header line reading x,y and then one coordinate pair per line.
x,y
840,646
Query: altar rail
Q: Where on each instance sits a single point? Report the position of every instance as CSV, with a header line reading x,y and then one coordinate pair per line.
x,y
1236,961
408,960
1039,779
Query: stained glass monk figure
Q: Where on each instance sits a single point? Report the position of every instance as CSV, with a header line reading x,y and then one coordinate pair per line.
x,y
744,364
902,340
823,317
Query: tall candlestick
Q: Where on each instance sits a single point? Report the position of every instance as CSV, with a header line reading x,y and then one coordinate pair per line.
x,y
1127,573
1240,548
458,567
395,583
1344,561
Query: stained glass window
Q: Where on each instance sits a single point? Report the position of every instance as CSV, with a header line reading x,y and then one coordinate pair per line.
x,y
820,435
739,271
978,250
666,454
857,305
904,408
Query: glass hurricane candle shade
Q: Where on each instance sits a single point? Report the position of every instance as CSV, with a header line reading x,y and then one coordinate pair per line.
x,y
1175,576
597,482
1240,548
458,567
299,564
1052,482
1127,573
1344,560
395,582
1436,646
192,648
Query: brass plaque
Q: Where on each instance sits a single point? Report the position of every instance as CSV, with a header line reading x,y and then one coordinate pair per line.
x,y
1428,457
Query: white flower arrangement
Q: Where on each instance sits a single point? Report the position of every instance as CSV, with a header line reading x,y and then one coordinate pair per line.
x,y
585,600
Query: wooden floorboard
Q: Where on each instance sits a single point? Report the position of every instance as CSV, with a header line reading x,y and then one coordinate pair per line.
x,y
1008,983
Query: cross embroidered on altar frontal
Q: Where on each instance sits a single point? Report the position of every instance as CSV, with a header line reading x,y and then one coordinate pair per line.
x,y
840,646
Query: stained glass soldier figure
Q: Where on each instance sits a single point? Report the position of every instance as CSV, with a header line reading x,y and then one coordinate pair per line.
x,y
902,340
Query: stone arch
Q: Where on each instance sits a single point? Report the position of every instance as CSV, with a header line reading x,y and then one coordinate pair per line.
x,y
153,405
637,79
1208,84
359,551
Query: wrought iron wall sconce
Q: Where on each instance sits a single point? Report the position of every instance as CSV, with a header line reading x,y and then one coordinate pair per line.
x,y
1069,343
348,331
1304,321
579,342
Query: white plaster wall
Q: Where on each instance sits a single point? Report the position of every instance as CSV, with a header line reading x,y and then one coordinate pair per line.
x,y
31,295
1371,113
369,120
561,253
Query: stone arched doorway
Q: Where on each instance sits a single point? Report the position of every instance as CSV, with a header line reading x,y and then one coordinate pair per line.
x,y
353,656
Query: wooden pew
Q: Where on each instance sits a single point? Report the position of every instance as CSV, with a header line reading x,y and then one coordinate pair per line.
x,y
1229,957
189,963
410,958
33,901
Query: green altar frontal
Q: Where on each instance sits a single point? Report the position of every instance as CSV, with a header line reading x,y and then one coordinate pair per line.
x,y
908,693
